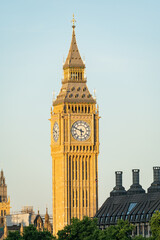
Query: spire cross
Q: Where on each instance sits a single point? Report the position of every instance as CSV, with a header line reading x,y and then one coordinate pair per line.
x,y
73,21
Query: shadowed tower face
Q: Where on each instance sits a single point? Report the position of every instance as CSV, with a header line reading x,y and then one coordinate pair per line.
x,y
74,144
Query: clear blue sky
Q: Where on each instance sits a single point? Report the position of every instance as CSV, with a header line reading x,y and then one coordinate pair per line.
x,y
120,40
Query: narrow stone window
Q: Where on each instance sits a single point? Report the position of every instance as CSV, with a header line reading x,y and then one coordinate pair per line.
x,y
73,169
83,198
82,170
82,109
76,169
81,76
86,169
86,199
76,199
73,198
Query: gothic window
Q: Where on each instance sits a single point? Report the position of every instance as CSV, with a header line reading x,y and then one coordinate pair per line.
x,y
82,108
83,198
82,170
86,169
76,169
73,169
76,199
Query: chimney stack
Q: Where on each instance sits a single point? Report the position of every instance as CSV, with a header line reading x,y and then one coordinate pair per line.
x,y
155,186
135,188
118,189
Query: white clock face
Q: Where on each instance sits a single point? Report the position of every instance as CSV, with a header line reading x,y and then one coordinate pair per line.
x,y
80,130
55,132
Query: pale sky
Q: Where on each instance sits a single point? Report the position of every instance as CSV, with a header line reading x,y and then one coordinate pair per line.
x,y
120,41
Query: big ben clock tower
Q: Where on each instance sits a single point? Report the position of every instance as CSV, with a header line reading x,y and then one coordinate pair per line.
x,y
74,144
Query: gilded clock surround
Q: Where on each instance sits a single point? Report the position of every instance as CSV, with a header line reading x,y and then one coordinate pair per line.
x,y
74,163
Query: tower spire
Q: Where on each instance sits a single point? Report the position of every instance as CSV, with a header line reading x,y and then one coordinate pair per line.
x,y
73,59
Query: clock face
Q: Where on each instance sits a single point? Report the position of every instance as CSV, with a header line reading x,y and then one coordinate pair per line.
x,y
80,130
55,132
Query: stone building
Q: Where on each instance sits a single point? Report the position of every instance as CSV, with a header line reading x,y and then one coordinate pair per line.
x,y
4,200
74,144
18,221
134,205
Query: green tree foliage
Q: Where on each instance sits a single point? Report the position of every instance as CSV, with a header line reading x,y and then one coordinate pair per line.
x,y
14,236
85,229
123,230
30,233
155,225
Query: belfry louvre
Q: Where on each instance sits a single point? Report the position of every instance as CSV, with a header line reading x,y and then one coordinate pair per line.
x,y
133,205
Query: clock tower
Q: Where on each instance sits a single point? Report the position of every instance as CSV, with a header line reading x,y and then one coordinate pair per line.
x,y
74,144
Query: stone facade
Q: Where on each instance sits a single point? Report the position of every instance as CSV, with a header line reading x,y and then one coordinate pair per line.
x,y
74,144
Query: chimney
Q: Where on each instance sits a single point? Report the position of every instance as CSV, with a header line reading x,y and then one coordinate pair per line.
x,y
155,186
118,189
135,188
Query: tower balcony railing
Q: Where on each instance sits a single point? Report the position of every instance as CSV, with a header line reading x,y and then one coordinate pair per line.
x,y
73,80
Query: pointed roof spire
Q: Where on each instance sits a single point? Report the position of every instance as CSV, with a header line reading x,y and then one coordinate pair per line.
x,y
73,59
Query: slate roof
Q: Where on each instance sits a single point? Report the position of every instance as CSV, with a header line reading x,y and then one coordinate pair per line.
x,y
74,93
136,208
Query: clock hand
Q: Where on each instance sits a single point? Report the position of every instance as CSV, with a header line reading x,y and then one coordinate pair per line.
x,y
78,129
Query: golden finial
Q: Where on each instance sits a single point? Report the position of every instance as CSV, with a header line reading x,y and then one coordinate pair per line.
x,y
73,21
